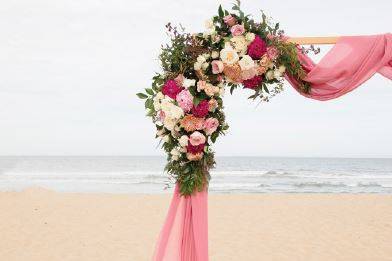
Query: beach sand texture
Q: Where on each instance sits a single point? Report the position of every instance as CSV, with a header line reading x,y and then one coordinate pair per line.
x,y
41,225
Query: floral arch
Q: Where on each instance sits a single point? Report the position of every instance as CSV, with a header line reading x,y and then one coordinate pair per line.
x,y
185,100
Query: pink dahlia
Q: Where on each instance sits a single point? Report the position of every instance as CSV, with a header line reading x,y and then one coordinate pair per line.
x,y
195,149
185,100
257,48
253,82
201,110
171,89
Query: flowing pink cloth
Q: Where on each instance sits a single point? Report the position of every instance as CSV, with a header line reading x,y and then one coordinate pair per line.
x,y
352,61
184,236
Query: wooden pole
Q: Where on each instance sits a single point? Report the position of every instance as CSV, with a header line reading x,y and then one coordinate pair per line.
x,y
314,40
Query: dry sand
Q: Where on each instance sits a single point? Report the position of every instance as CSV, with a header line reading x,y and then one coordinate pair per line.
x,y
41,225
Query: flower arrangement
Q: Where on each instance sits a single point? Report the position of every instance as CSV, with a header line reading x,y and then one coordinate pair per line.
x,y
185,100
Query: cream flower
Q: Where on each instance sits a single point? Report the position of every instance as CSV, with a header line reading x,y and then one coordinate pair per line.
x,y
240,44
197,66
228,55
175,152
246,63
209,24
249,37
211,90
269,75
214,54
188,82
282,69
183,141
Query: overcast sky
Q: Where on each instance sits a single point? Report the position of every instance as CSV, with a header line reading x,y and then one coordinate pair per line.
x,y
69,71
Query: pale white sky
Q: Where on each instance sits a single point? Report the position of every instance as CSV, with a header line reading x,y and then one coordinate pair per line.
x,y
69,71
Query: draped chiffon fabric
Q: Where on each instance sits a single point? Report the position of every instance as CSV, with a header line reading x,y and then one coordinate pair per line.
x,y
184,235
352,61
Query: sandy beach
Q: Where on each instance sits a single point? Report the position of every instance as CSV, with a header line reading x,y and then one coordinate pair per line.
x,y
43,225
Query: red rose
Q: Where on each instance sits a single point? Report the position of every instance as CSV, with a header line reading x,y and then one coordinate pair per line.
x,y
252,83
171,89
257,48
195,149
201,110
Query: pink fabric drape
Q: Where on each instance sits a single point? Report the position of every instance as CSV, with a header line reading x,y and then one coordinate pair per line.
x,y
184,236
352,61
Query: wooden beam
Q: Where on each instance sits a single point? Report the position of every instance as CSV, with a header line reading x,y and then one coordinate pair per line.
x,y
314,40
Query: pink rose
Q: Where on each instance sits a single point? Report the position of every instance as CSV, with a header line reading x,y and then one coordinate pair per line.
x,y
248,74
185,100
201,110
197,138
257,48
272,52
217,66
210,125
194,157
229,20
237,30
171,89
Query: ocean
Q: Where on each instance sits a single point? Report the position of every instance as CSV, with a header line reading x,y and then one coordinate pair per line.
x,y
129,174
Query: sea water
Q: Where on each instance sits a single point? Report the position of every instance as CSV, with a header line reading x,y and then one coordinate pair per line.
x,y
129,174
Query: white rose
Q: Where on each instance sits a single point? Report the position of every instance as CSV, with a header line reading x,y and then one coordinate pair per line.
x,y
269,75
246,63
282,69
169,123
240,44
214,54
176,112
183,140
249,37
228,55
204,66
206,55
201,59
197,66
188,83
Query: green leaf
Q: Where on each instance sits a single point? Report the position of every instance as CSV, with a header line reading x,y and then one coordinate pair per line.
x,y
149,104
141,95
266,89
214,136
220,11
149,91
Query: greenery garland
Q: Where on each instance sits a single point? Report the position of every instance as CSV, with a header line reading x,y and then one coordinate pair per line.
x,y
185,100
